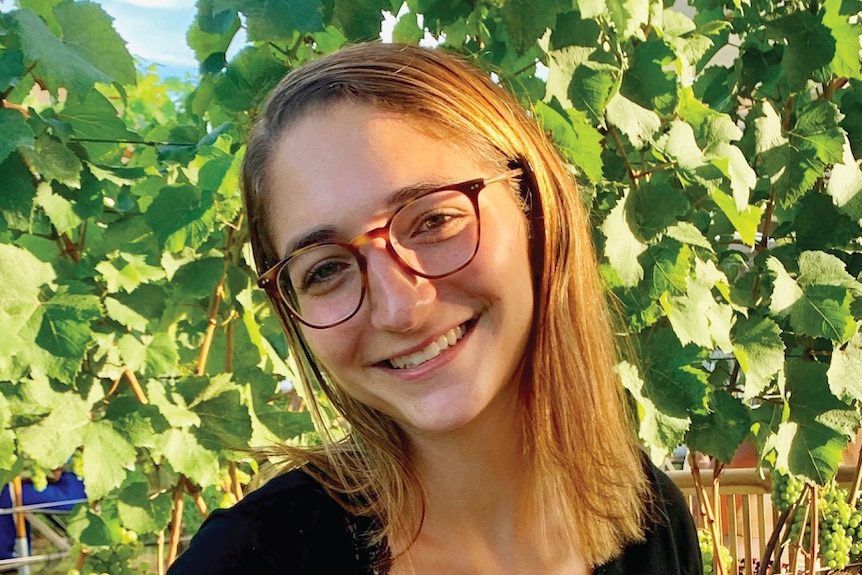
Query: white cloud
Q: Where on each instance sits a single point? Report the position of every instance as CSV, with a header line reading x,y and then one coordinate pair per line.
x,y
161,4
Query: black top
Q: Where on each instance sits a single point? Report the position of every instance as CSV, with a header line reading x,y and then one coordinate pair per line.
x,y
291,526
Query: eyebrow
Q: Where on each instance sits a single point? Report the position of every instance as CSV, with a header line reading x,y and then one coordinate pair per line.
x,y
395,200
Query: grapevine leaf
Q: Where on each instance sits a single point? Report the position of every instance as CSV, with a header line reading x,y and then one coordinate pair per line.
x,y
726,413
674,376
125,315
745,222
133,272
622,247
629,16
225,423
820,268
758,348
106,459
143,512
811,445
360,19
88,30
180,448
647,82
407,29
845,184
59,210
53,439
89,528
59,64
845,370
687,233
96,118
667,267
276,19
212,32
138,423
11,68
845,63
527,20
579,142
65,329
659,427
54,161
696,317
249,77
732,163
639,124
162,357
181,216
786,292
810,46
16,132
178,416
654,206
22,276
16,201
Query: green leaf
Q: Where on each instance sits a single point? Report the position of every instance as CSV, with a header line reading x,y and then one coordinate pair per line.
x,y
16,132
628,16
647,82
845,63
745,222
728,414
11,68
58,63
65,330
733,164
248,79
578,141
845,184
622,247
89,528
88,30
107,457
845,370
696,317
667,266
59,210
654,206
360,19
526,20
810,444
139,424
276,19
187,456
211,32
178,416
142,511
810,46
133,272
52,440
181,216
96,118
758,348
225,423
22,275
407,29
639,124
125,315
658,427
54,161
16,201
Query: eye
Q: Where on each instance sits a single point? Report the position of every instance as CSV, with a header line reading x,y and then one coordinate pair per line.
x,y
323,273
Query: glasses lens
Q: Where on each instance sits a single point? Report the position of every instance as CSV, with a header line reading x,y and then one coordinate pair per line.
x,y
322,285
437,233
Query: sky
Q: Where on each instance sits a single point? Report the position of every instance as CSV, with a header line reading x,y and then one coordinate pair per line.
x,y
155,32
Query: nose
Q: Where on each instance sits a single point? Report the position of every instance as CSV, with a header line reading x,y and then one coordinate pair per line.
x,y
399,300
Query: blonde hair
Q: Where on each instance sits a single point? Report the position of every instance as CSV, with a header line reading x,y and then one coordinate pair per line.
x,y
587,468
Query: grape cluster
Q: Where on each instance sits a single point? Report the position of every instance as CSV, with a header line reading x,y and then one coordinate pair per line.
x,y
786,490
707,553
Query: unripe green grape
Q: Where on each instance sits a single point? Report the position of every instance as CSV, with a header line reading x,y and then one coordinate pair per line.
x,y
77,463
39,478
707,553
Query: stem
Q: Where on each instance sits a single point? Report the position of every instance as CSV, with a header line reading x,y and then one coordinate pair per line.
x,y
707,512
621,149
812,556
176,521
82,558
136,387
236,488
195,493
70,248
857,482
773,540
218,293
160,552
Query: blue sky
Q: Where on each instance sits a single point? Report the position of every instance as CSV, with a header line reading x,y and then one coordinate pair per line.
x,y
155,31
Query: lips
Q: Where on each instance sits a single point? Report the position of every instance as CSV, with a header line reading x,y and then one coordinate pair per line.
x,y
430,351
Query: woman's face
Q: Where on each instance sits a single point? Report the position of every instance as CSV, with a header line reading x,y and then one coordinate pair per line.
x,y
336,170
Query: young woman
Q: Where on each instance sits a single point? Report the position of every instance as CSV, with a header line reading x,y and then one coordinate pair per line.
x,y
431,261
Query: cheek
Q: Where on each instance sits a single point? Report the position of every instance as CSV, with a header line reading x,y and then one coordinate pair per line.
x,y
333,348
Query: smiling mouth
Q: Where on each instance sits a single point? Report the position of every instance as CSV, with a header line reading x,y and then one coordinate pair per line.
x,y
430,351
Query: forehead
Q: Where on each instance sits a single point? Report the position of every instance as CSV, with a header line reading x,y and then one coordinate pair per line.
x,y
335,167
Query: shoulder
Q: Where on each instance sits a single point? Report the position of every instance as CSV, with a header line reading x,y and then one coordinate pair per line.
x,y
670,546
290,521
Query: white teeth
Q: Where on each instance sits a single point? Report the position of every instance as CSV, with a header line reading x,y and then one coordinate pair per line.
x,y
430,351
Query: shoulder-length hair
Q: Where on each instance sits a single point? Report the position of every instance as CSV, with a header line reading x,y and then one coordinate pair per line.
x,y
590,487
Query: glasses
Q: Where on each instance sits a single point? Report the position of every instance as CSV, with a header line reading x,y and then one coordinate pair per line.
x,y
433,236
